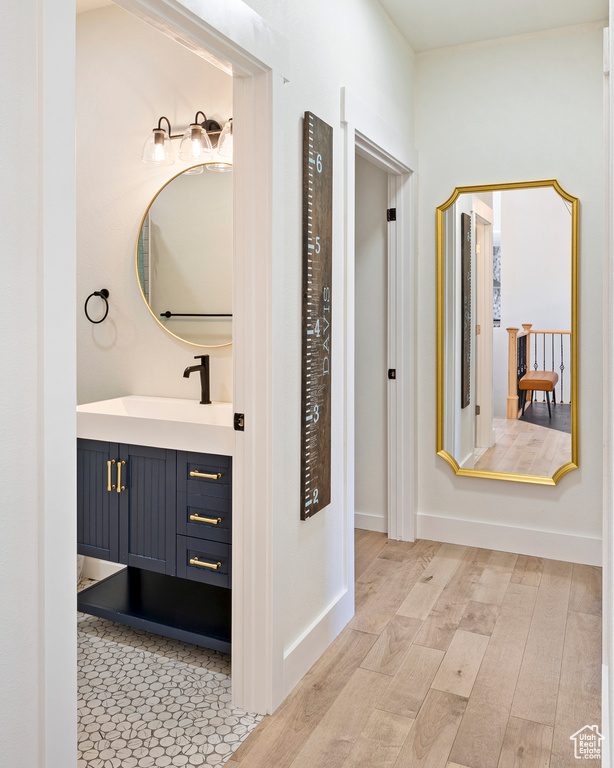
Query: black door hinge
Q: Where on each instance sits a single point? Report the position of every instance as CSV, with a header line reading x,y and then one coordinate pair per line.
x,y
477,410
392,373
240,422
391,214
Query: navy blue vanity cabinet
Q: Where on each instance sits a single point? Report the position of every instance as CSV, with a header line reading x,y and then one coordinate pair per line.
x,y
97,503
126,502
166,515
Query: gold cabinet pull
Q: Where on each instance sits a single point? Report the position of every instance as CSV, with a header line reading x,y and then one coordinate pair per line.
x,y
209,477
196,561
120,487
206,519
109,486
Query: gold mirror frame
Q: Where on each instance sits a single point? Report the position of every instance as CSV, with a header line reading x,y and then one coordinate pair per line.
x,y
136,264
573,464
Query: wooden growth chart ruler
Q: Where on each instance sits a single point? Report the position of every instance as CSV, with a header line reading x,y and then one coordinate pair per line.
x,y
317,315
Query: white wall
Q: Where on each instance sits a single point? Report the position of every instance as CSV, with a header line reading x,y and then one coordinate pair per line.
x,y
19,660
371,460
128,75
535,278
348,43
543,96
37,392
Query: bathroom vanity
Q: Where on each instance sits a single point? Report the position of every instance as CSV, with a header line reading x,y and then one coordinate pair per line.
x,y
164,511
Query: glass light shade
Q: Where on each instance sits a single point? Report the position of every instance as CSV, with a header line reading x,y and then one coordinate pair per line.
x,y
220,167
195,145
158,148
224,144
195,171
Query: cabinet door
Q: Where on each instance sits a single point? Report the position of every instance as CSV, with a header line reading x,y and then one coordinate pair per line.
x,y
97,502
147,508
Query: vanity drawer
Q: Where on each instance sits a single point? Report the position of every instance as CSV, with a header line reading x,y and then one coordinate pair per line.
x,y
204,517
204,474
216,556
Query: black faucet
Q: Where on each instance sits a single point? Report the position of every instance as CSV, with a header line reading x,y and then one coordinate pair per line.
x,y
205,399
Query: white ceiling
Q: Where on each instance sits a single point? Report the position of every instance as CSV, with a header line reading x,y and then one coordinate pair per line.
x,y
428,24
89,5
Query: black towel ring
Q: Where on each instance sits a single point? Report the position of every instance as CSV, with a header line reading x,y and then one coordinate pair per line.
x,y
104,295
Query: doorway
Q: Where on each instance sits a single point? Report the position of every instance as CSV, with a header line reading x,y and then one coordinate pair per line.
x,y
371,348
369,138
187,226
254,89
256,669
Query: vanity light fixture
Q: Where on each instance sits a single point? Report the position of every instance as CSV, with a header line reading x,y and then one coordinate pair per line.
x,y
158,148
223,161
195,147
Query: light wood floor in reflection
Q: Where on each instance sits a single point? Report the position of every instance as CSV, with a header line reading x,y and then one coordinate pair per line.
x,y
525,449
456,658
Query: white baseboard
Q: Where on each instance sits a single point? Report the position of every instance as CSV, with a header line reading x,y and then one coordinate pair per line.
x,y
524,541
367,522
311,644
99,569
468,462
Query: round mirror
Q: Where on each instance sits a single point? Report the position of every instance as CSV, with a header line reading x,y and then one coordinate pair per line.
x,y
184,257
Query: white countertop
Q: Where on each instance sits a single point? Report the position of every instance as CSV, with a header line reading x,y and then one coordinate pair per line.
x,y
162,422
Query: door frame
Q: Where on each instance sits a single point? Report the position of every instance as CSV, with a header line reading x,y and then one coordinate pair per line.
x,y
371,137
245,45
483,317
607,695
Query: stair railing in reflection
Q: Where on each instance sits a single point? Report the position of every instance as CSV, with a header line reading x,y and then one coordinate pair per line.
x,y
550,350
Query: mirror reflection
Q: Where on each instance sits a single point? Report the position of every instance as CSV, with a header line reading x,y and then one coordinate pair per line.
x,y
507,344
184,257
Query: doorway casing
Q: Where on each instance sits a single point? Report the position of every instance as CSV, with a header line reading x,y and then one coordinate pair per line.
x,y
371,137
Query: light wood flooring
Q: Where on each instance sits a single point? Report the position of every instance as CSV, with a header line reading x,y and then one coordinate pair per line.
x,y
526,449
457,657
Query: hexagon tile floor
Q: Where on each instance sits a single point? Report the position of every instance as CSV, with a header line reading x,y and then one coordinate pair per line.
x,y
146,701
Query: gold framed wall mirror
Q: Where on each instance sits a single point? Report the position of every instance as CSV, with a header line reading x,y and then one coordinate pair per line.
x,y
184,257
507,331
